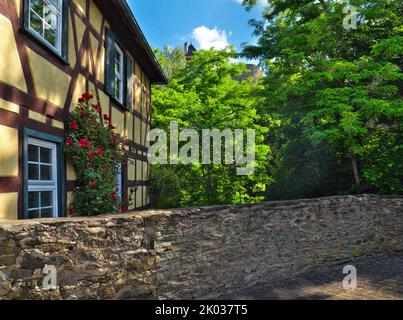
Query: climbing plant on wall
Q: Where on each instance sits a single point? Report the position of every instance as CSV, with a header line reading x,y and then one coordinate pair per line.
x,y
96,151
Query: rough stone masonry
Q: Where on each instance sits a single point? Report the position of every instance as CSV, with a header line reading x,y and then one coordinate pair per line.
x,y
197,253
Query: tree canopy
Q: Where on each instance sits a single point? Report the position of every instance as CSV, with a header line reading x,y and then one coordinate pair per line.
x,y
328,112
204,94
337,90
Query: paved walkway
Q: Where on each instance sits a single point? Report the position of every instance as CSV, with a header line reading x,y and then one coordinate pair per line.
x,y
378,278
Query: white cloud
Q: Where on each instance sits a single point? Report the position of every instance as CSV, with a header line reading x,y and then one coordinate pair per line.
x,y
211,38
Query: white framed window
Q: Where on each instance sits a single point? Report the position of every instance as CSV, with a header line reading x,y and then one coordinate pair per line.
x,y
119,75
45,21
42,179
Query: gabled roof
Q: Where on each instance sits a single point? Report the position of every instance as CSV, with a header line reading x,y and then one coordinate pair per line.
x,y
125,26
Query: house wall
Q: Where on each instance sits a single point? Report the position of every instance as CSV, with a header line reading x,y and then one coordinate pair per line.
x,y
198,253
37,91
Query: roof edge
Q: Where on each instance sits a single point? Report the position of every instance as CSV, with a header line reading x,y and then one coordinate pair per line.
x,y
130,15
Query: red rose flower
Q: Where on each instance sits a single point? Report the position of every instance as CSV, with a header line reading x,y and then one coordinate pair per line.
x,y
125,209
81,100
99,151
92,155
69,142
91,121
97,107
113,196
84,143
119,208
84,114
111,126
74,125
93,185
87,96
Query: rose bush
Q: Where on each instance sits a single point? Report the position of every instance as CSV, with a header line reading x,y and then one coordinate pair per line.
x,y
96,151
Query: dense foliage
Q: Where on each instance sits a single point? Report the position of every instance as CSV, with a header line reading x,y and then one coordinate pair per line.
x,y
328,113
96,152
203,94
337,92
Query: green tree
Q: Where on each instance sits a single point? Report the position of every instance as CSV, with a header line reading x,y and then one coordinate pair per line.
x,y
204,95
336,92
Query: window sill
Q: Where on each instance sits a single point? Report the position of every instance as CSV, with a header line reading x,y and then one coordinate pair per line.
x,y
38,41
117,103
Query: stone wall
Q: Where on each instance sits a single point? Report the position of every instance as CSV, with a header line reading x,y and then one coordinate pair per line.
x,y
192,253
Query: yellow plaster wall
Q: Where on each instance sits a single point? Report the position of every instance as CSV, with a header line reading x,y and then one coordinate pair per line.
x,y
9,152
8,206
145,171
78,91
129,126
10,65
131,171
51,85
118,120
71,173
9,106
57,124
80,28
144,196
104,100
18,6
95,16
139,197
71,46
132,201
139,168
137,130
99,68
36,116
81,4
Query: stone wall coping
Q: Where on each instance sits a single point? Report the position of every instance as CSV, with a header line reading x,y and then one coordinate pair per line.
x,y
141,215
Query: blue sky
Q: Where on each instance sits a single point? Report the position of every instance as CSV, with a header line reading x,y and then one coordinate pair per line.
x,y
205,23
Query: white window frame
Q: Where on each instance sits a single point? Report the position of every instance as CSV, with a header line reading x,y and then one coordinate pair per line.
x,y
119,74
119,182
58,10
44,185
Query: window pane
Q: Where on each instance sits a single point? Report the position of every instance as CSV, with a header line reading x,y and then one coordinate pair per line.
x,y
33,153
37,6
50,36
46,173
34,214
33,200
33,172
46,155
36,23
50,17
118,94
46,199
47,213
55,2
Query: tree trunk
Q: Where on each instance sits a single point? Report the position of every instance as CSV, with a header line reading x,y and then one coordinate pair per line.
x,y
357,179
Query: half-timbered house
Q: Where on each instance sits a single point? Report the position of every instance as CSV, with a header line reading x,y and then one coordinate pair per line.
x,y
51,51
